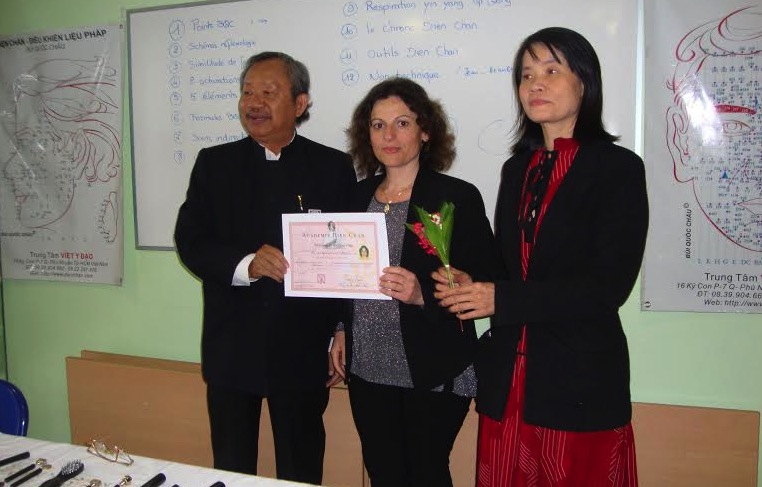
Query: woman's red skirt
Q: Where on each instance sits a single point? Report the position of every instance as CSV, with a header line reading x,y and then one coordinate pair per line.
x,y
512,453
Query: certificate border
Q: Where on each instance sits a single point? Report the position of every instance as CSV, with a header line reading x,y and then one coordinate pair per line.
x,y
379,222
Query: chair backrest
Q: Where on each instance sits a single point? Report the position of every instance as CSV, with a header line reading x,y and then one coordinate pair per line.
x,y
14,413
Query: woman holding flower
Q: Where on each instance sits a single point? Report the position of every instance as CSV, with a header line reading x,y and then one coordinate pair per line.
x,y
407,361
571,223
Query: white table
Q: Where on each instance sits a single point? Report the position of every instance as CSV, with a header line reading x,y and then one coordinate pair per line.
x,y
110,473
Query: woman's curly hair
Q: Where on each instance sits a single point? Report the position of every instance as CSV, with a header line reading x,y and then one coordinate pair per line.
x,y
437,153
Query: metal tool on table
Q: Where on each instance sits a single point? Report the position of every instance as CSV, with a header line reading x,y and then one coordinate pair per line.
x,y
126,480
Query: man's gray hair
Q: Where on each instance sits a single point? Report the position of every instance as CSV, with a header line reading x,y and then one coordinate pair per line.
x,y
298,75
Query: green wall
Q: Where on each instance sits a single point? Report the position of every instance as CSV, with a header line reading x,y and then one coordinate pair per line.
x,y
697,359
156,313
3,372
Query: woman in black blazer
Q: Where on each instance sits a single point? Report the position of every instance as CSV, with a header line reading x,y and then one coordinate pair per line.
x,y
408,361
571,223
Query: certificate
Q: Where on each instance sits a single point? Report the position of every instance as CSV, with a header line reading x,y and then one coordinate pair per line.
x,y
335,255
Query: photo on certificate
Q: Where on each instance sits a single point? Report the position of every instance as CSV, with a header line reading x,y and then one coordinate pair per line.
x,y
335,255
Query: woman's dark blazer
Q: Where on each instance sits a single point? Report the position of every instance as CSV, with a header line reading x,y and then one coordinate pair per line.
x,y
584,264
437,350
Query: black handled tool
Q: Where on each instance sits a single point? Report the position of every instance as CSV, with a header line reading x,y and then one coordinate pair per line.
x,y
68,471
156,481
21,472
26,477
14,458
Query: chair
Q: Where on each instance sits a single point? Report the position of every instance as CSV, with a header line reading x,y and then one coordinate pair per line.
x,y
14,413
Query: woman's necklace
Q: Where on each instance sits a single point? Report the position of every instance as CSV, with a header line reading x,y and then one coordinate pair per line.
x,y
391,200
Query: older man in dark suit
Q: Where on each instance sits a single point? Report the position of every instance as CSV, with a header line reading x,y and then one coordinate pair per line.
x,y
257,343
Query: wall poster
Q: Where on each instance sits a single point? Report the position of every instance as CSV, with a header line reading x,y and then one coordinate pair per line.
x,y
61,155
703,151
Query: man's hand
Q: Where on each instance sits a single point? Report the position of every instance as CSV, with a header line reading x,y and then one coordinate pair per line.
x,y
268,262
338,360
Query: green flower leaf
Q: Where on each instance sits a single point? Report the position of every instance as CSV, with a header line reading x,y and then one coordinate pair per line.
x,y
438,233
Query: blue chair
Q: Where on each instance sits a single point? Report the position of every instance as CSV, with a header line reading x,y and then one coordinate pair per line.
x,y
14,413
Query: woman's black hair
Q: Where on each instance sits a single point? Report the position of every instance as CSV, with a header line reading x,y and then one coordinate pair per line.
x,y
583,62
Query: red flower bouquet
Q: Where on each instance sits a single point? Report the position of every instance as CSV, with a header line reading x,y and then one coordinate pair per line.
x,y
434,232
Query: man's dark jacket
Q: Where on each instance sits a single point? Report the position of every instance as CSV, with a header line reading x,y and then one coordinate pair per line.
x,y
255,339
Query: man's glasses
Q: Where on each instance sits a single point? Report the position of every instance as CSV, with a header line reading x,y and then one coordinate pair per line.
x,y
112,453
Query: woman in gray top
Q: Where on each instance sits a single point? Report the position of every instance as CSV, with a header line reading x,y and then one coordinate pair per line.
x,y
407,361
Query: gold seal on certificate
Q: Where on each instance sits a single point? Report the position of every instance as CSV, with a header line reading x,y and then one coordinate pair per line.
x,y
335,255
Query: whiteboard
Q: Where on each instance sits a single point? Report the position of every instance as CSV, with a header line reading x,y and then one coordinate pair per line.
x,y
185,63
